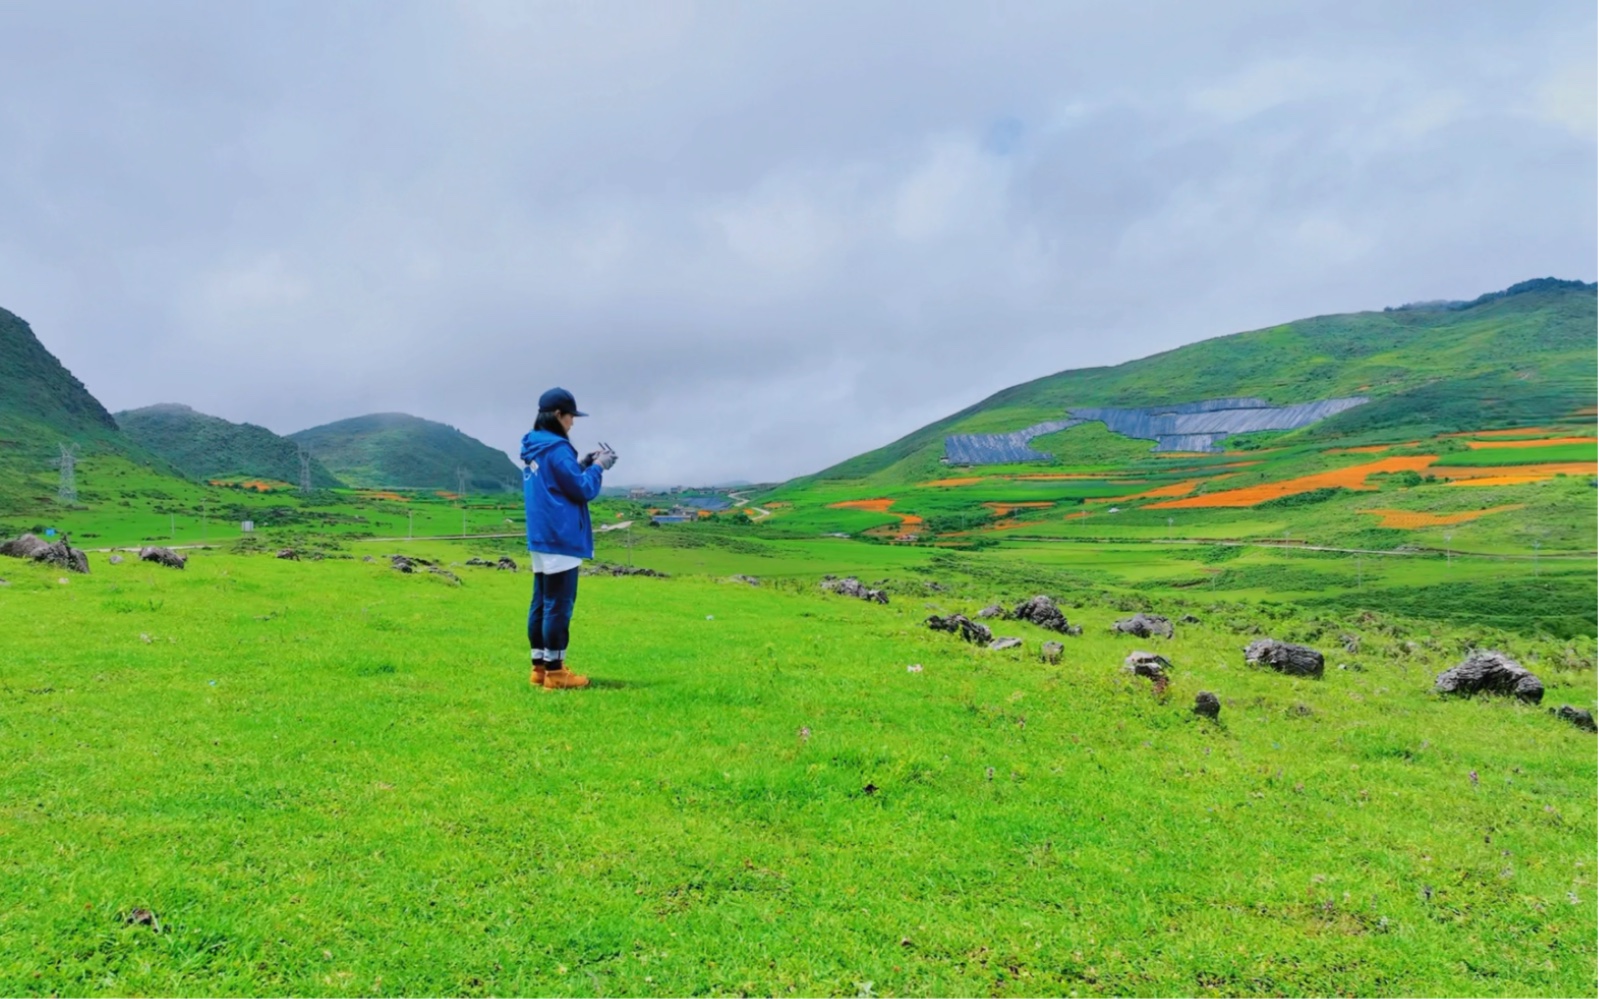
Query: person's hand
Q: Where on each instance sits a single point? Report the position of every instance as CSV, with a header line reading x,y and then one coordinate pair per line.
x,y
587,459
605,458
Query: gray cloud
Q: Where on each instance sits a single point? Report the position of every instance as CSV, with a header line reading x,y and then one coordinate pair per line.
x,y
754,238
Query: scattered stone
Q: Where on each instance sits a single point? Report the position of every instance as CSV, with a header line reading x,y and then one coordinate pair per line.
x,y
851,587
24,546
162,556
1145,626
447,574
1350,642
607,569
368,558
405,563
288,554
1299,709
992,610
1486,670
749,580
1207,705
485,563
142,917
1576,716
1001,644
1188,619
506,563
1051,652
1352,667
61,553
1150,664
1041,610
1285,657
1074,629
960,624
115,560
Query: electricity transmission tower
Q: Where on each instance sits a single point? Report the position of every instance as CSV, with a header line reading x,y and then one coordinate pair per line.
x,y
305,469
460,491
67,492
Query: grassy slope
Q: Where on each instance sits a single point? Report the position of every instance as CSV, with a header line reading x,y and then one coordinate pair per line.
x,y
42,405
203,446
393,450
1515,360
320,788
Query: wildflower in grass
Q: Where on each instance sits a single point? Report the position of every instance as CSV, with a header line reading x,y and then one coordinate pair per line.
x,y
805,733
1474,778
914,668
990,774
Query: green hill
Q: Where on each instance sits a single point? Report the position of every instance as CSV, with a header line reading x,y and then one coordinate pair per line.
x,y
1477,437
397,451
204,447
1522,356
42,406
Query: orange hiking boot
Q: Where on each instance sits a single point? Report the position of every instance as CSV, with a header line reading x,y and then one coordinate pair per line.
x,y
537,679
563,679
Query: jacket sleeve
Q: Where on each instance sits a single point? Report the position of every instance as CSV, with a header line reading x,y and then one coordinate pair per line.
x,y
580,485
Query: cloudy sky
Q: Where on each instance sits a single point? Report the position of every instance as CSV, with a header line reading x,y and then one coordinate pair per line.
x,y
754,238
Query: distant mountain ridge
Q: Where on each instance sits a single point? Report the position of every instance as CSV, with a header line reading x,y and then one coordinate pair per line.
x,y
204,447
1519,356
400,451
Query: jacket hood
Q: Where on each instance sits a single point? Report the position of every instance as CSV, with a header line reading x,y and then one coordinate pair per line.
x,y
536,443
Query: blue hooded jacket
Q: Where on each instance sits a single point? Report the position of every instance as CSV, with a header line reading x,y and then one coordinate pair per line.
x,y
556,491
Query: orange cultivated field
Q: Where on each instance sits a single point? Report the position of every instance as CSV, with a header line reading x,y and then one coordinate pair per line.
x,y
871,505
1412,520
1353,477
1479,476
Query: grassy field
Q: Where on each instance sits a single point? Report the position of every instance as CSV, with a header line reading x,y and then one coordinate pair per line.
x,y
331,778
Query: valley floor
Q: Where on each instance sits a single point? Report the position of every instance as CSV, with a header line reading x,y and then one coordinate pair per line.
x,y
326,777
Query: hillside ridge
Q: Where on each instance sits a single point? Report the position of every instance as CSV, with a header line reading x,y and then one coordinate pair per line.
x,y
203,446
401,451
1521,354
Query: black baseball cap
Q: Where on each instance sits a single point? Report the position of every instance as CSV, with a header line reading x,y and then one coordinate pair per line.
x,y
559,400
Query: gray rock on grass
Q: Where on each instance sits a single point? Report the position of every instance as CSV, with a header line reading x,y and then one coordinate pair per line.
x,y
1145,626
1207,705
24,546
852,587
61,553
1001,644
115,560
288,554
1285,657
1150,664
1576,716
1051,652
962,626
1042,611
162,556
1487,671
991,611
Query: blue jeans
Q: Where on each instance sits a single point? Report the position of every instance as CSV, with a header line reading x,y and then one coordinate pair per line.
x,y
549,617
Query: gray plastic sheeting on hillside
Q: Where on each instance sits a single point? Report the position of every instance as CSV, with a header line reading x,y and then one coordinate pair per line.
x,y
1201,426
1000,449
1189,426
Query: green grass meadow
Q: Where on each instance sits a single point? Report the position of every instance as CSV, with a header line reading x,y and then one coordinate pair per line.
x,y
331,778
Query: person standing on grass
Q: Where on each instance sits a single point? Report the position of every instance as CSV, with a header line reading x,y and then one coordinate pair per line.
x,y
557,487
